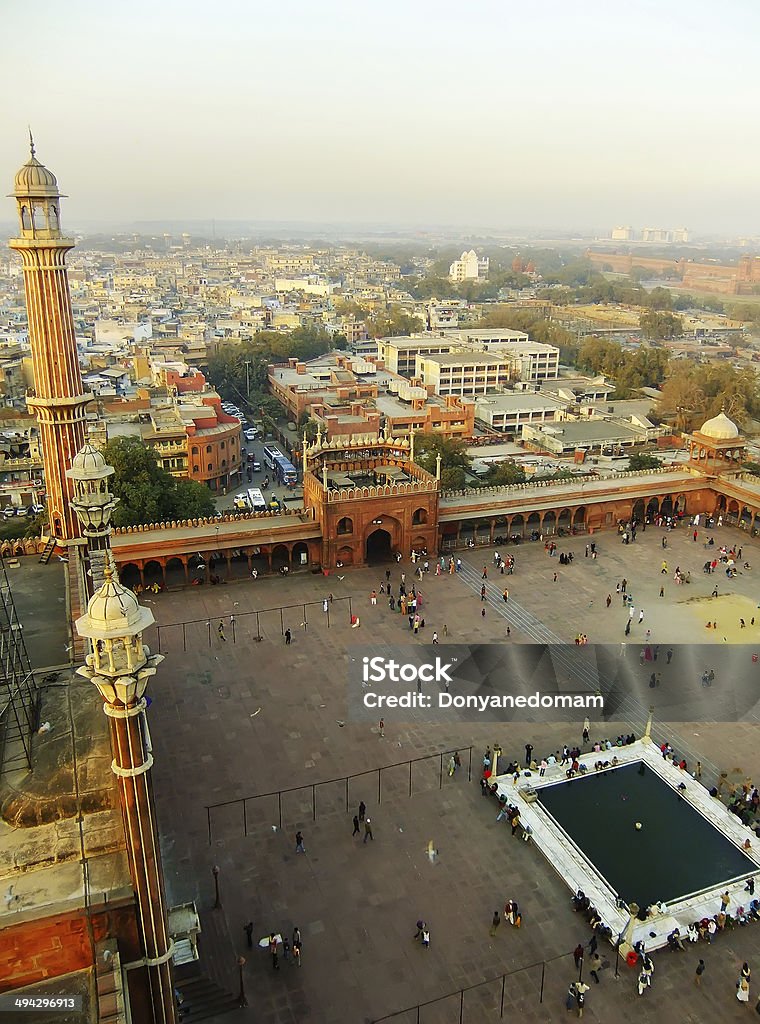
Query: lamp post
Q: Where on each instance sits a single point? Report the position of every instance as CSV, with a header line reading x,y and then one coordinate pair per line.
x,y
215,873
242,1001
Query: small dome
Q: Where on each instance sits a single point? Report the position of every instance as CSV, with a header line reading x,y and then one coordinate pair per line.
x,y
720,428
89,464
114,611
34,179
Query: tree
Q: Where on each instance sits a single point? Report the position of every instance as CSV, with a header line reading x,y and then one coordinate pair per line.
x,y
452,450
642,460
660,325
394,322
504,473
453,479
146,492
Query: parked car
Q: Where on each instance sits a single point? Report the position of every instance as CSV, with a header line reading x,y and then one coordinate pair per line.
x,y
251,434
35,510
9,512
22,511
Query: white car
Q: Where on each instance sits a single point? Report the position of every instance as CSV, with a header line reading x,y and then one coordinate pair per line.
x,y
251,434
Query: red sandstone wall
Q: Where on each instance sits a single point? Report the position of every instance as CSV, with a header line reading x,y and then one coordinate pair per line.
x,y
38,950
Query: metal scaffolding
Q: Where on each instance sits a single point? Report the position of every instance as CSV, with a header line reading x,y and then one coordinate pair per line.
x,y
19,696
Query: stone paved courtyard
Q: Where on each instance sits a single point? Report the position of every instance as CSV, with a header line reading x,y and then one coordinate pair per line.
x,y
238,717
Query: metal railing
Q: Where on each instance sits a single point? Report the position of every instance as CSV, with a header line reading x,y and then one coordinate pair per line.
x,y
345,780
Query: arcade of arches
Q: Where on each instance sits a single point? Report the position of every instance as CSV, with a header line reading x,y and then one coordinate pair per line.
x,y
367,501
371,536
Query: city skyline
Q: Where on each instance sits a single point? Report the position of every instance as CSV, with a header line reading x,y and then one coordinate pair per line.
x,y
497,118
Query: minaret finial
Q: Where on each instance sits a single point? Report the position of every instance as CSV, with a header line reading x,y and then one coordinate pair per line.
x,y
31,142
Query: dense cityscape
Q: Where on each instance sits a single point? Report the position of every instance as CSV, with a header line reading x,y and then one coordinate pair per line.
x,y
377,549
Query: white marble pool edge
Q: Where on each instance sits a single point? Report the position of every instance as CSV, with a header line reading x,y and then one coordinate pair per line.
x,y
578,873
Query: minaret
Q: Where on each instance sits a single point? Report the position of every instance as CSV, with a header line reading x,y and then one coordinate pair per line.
x,y
58,399
121,665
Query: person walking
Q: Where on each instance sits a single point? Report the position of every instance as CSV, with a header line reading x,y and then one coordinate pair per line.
x,y
581,988
699,972
578,955
356,826
742,990
373,597
273,952
381,728
609,600
597,964
485,572
220,631
483,592
362,810
669,655
288,637
300,848
528,753
248,929
434,638
641,616
495,922
505,595
368,830
297,951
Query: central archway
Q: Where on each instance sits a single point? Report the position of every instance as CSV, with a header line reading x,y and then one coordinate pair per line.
x,y
379,547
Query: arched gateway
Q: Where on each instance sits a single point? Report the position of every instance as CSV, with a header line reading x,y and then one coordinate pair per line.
x,y
371,499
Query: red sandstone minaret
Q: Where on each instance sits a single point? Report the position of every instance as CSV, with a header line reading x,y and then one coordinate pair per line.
x,y
58,399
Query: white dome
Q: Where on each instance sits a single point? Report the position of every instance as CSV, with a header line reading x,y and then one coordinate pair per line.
x,y
89,464
720,428
113,611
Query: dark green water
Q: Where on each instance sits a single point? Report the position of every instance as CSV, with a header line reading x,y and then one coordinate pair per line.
x,y
677,851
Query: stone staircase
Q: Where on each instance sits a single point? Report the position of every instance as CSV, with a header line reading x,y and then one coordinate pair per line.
x,y
208,986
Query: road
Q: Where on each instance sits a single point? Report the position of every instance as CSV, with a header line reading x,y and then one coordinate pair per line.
x,y
226,502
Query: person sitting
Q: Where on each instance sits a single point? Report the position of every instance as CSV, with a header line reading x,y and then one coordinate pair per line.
x,y
580,901
675,941
692,933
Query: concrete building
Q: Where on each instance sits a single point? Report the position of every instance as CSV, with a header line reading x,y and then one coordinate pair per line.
x,y
348,395
469,267
400,354
463,373
587,435
510,413
623,234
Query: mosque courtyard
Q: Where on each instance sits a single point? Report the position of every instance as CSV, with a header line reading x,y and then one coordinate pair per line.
x,y
237,717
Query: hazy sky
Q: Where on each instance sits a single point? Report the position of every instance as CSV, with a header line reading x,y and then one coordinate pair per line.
x,y
489,112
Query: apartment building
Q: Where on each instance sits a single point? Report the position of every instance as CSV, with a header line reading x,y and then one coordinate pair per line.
x,y
463,373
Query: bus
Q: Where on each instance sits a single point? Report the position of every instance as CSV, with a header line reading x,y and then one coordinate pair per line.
x,y
271,452
285,471
256,500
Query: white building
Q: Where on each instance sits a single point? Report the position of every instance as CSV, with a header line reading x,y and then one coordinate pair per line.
x,y
511,412
623,234
469,267
463,373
